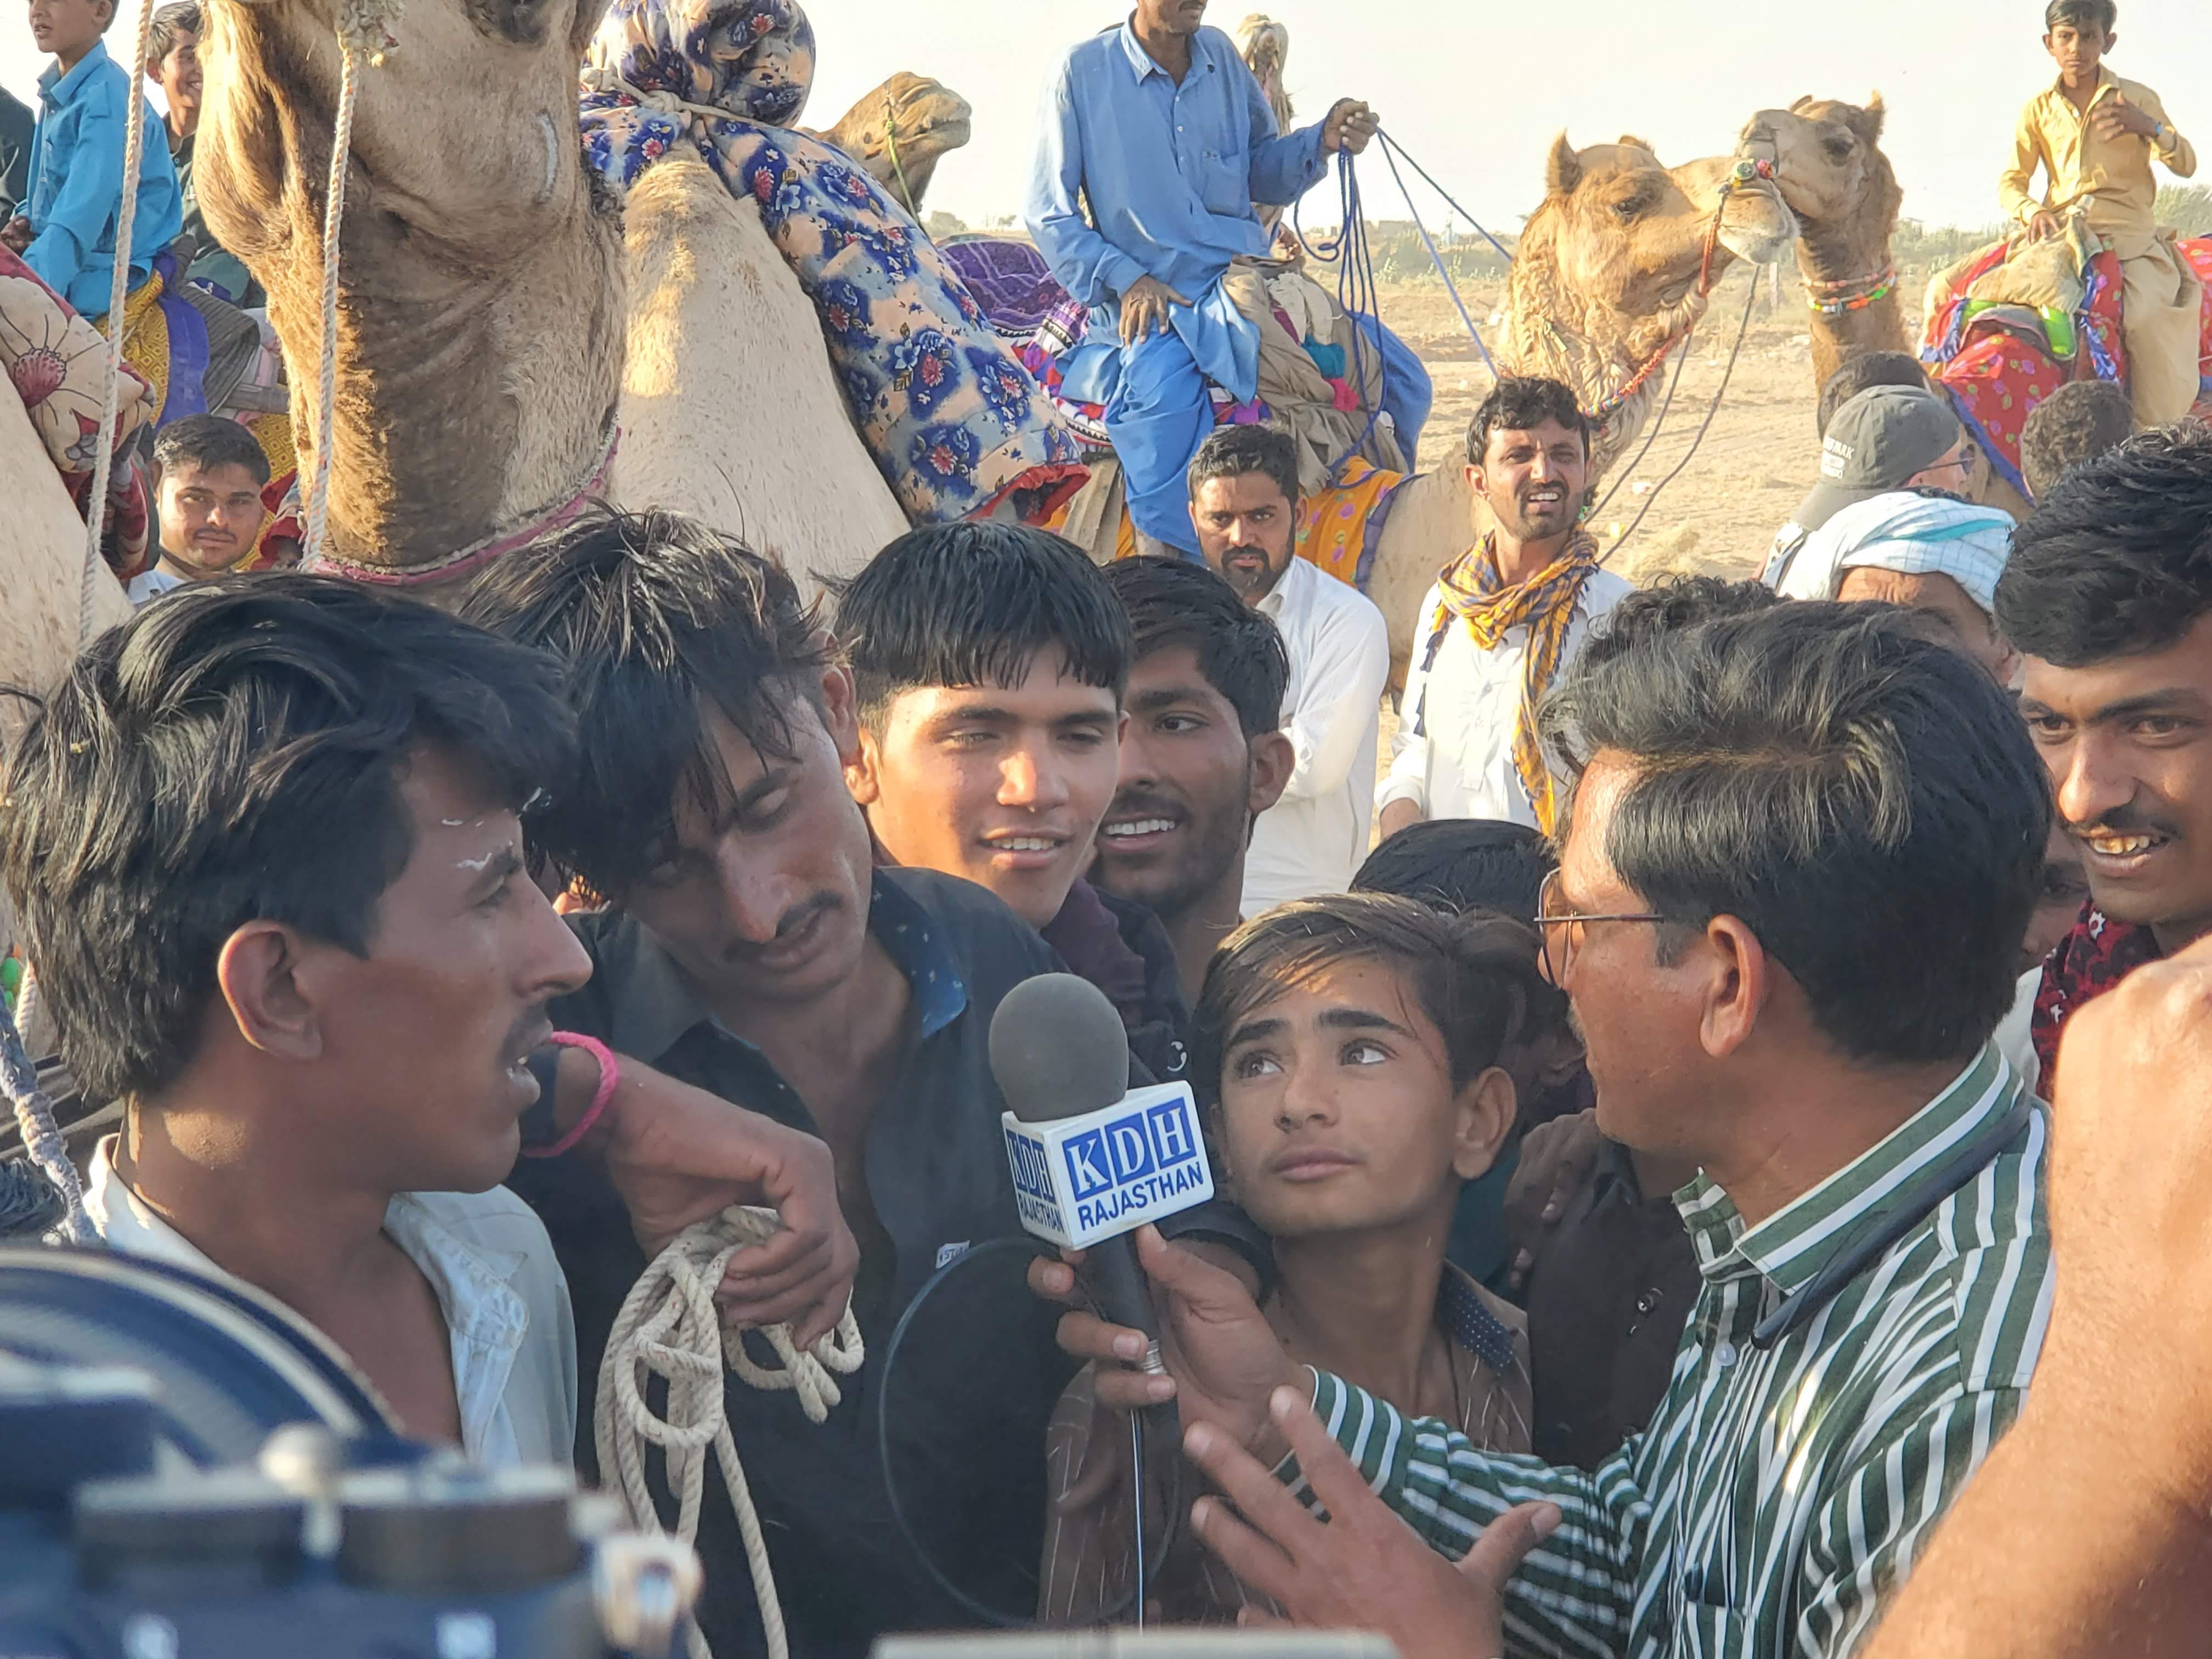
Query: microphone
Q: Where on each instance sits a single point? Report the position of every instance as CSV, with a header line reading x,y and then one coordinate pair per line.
x,y
1092,1159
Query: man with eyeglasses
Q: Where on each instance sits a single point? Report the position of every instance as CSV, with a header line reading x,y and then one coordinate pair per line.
x,y
1800,852
1888,438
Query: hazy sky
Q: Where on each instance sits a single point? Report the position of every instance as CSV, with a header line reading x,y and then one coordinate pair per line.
x,y
1477,91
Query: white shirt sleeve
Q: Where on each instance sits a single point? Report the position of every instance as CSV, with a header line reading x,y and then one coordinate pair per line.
x,y
1408,778
1339,707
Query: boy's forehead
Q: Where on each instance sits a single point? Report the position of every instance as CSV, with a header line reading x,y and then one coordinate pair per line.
x,y
1041,687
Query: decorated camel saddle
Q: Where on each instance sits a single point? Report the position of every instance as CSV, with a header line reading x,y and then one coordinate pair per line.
x,y
2011,323
956,427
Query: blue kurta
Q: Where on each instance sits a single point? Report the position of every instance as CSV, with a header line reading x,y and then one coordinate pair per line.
x,y
1169,173
77,184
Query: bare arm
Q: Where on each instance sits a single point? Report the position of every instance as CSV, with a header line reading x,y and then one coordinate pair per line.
x,y
2088,1533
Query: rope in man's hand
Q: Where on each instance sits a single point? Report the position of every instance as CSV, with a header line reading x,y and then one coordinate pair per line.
x,y
670,1328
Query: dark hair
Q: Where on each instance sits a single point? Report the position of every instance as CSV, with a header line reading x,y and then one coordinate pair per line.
x,y
1865,800
1172,602
2118,558
169,22
1476,975
2105,14
2078,423
659,621
1520,403
210,440
1231,451
1871,368
1461,864
1670,604
231,755
970,604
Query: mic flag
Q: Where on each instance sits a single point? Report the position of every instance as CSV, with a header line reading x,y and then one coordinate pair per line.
x,y
1091,1158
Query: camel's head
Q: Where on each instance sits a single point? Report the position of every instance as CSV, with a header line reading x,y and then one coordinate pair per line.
x,y
1637,236
924,119
1828,158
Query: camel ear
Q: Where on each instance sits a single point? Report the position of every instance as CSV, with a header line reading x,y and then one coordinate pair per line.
x,y
1630,141
1801,103
1876,112
1563,169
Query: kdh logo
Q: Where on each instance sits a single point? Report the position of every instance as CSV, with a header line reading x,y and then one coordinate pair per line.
x,y
1128,1149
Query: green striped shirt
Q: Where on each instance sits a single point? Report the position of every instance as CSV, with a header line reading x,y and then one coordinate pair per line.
x,y
1780,1495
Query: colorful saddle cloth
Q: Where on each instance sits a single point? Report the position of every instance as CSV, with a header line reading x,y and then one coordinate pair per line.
x,y
953,422
1998,361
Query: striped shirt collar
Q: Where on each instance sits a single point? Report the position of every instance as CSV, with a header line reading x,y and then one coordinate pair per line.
x,y
1793,1244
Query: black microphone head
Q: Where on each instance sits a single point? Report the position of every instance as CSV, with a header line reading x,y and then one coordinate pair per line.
x,y
1058,1049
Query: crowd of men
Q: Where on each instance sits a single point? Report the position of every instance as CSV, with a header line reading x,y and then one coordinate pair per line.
x,y
1626,1097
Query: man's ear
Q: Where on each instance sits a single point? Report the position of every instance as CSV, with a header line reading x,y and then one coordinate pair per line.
x,y
1274,760
1486,1107
1739,978
273,991
1475,487
839,707
863,768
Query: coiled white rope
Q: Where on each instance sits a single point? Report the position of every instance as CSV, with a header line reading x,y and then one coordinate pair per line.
x,y
670,1328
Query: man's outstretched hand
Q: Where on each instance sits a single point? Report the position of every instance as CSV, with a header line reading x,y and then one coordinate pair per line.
x,y
1363,1569
678,1155
1350,125
1222,1357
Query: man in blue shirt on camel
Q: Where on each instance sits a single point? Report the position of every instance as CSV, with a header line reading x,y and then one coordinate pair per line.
x,y
1159,127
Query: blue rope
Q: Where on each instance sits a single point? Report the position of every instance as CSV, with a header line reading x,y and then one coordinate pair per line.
x,y
1435,257
1359,294
1390,144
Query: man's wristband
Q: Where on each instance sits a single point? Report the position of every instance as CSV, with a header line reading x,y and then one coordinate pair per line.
x,y
543,1065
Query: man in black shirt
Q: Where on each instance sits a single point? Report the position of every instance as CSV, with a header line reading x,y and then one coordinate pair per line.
x,y
756,951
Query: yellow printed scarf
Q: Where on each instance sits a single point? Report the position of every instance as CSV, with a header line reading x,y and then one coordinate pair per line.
x,y
1545,604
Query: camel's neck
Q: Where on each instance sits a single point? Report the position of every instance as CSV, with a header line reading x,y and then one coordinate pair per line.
x,y
1609,357
480,327
1843,262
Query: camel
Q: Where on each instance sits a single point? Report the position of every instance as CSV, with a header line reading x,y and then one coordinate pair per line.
x,y
1613,270
487,311
1829,163
901,131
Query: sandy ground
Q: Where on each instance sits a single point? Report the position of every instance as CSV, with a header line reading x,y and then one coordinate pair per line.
x,y
1758,460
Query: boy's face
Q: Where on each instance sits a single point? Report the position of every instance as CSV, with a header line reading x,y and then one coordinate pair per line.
x,y
1191,783
69,28
210,516
2078,48
426,1037
179,73
1338,1113
764,897
1003,785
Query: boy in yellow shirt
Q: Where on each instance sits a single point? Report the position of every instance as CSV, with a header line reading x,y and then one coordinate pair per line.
x,y
2093,135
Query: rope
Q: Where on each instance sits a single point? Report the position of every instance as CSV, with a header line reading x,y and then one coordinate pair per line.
x,y
119,293
1391,143
1751,299
42,1137
670,1328
1437,258
898,167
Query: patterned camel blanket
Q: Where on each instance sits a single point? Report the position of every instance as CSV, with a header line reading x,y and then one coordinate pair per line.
x,y
1998,362
955,425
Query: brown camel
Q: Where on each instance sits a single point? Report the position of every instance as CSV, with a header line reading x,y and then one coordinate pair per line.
x,y
1828,161
901,130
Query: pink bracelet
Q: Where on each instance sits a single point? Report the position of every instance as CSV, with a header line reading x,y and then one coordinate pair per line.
x,y
610,1075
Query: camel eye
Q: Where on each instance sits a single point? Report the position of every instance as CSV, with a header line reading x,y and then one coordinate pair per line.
x,y
1628,208
1837,147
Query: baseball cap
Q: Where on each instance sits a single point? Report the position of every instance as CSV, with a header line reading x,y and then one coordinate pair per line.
x,y
1876,443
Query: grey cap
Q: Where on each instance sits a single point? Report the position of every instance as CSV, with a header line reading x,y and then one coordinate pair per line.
x,y
1875,443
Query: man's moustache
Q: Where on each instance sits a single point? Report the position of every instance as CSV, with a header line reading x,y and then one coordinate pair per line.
x,y
2124,820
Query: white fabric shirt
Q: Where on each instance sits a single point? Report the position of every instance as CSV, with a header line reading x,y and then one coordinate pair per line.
x,y
1459,763
151,585
488,1258
1312,840
2016,1033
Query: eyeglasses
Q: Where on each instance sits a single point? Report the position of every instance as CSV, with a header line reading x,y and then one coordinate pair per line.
x,y
1567,925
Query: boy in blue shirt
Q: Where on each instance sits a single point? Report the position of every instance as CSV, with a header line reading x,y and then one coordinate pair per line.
x,y
67,231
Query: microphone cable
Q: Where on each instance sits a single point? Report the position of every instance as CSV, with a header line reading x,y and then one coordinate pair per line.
x,y
1144,1570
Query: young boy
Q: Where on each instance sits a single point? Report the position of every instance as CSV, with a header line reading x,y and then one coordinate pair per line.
x,y
68,229
2093,135
208,477
989,663
1350,1045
